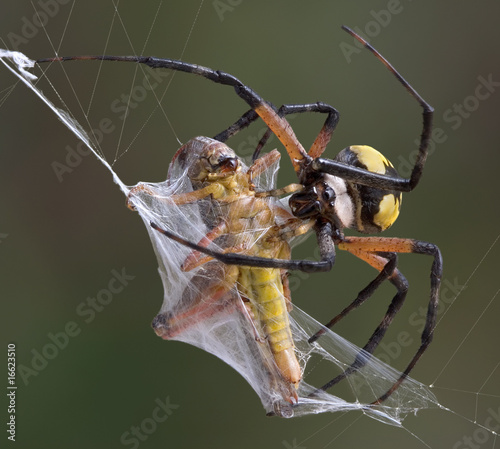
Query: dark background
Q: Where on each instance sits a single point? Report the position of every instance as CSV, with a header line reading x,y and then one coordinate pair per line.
x,y
61,239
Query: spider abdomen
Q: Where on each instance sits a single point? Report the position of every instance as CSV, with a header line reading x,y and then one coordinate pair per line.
x,y
375,209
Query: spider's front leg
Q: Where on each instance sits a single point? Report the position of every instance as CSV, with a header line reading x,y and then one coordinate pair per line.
x,y
383,181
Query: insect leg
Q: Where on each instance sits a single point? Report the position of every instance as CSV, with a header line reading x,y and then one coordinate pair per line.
x,y
208,302
195,258
178,199
263,163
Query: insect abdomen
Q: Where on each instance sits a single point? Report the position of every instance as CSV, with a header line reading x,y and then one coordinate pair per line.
x,y
270,310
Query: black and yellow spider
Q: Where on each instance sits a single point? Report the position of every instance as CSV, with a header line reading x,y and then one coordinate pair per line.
x,y
359,189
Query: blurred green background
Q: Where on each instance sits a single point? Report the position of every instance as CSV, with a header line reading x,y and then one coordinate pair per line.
x,y
61,237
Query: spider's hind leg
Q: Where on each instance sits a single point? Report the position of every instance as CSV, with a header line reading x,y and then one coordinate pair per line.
x,y
388,272
368,249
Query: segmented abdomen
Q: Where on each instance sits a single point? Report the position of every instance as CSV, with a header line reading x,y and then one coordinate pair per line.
x,y
264,289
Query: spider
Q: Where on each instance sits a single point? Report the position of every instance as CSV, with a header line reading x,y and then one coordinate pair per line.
x,y
359,189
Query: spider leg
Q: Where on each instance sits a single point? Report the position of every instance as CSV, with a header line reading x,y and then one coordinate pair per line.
x,y
265,110
360,176
363,295
324,135
327,252
245,120
366,249
430,323
427,112
399,281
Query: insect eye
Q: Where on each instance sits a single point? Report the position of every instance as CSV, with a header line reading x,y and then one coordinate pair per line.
x,y
229,164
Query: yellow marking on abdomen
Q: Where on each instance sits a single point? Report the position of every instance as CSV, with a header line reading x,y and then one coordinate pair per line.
x,y
388,211
372,159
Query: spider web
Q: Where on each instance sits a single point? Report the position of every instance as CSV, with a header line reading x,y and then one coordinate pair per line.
x,y
409,399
